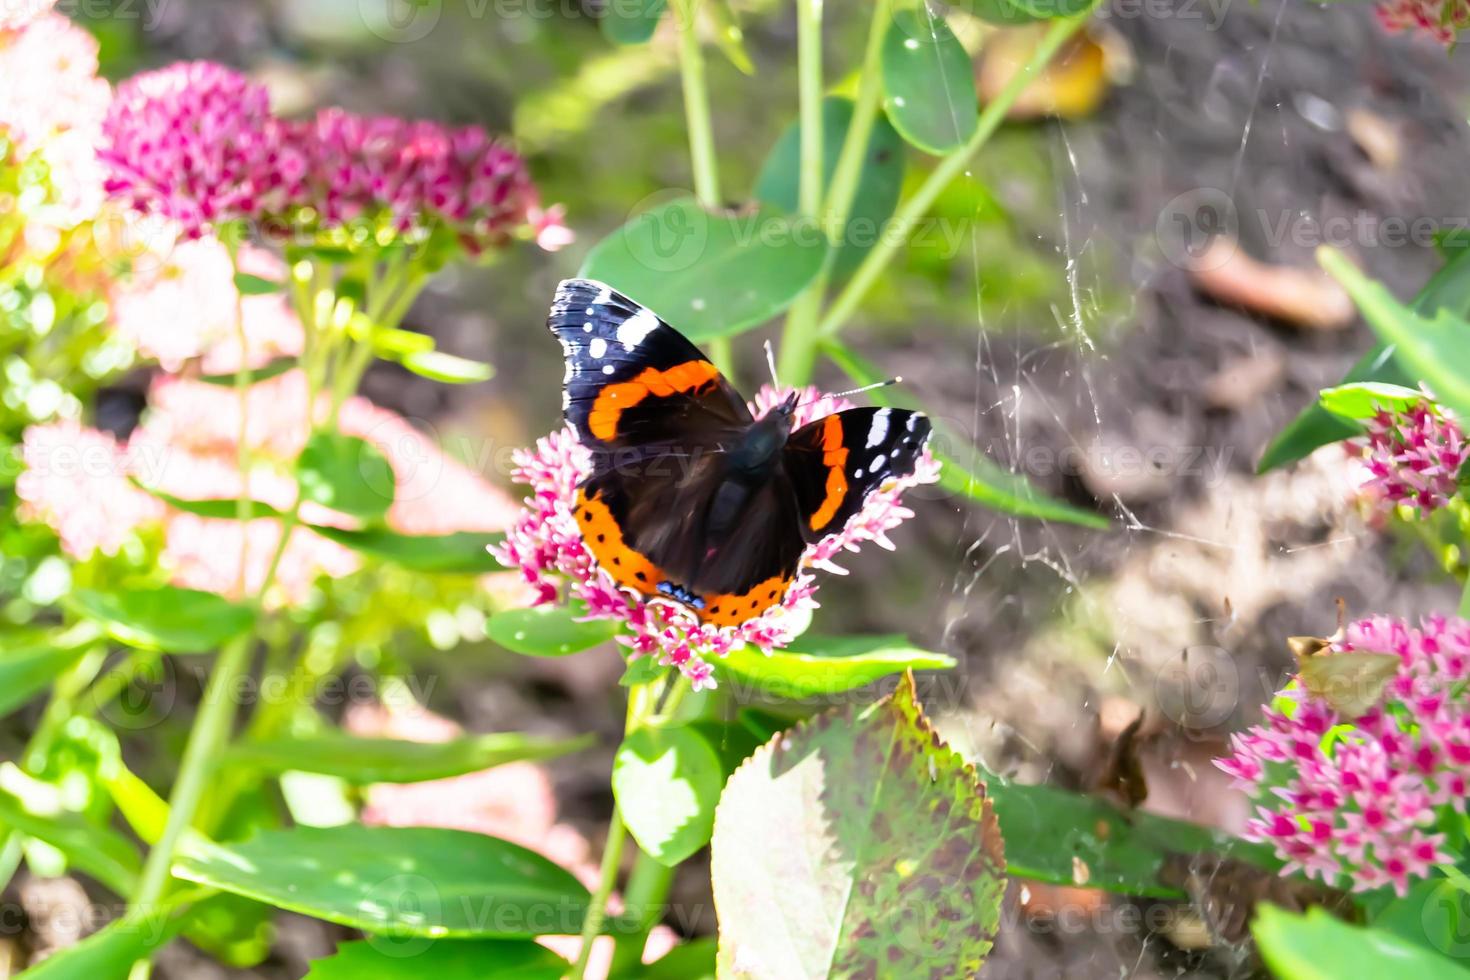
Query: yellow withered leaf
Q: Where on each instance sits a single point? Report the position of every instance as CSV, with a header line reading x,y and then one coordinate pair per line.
x,y
1350,682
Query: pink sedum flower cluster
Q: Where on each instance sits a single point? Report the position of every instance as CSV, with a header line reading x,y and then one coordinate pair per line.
x,y
1440,20
197,142
1355,802
1413,458
545,543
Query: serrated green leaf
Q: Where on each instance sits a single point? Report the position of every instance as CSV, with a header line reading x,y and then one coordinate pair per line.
x,y
446,368
459,553
980,479
387,760
631,21
823,665
710,274
1436,349
928,82
265,372
397,881
345,473
879,184
250,285
1317,946
548,631
857,838
667,782
443,959
1047,828
1359,400
166,618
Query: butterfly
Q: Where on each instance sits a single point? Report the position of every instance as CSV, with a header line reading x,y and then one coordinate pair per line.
x,y
690,496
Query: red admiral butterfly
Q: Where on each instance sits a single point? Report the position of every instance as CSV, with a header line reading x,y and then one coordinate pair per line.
x,y
691,497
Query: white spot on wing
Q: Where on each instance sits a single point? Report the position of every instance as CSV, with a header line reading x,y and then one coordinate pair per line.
x,y
597,348
607,369
879,461
858,473
913,421
878,431
632,330
587,327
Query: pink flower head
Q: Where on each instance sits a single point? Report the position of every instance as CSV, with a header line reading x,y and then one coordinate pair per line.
x,y
1413,457
192,142
16,14
1354,801
1440,20
341,168
545,543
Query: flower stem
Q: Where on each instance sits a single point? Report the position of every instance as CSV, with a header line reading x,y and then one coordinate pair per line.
x,y
702,159
913,210
242,397
644,898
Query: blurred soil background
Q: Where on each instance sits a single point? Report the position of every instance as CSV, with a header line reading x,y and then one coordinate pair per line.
x,y
1061,326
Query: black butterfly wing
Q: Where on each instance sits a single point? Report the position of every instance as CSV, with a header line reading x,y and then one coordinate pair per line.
x,y
634,381
836,461
656,530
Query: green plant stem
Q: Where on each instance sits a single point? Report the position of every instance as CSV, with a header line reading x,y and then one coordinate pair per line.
x,y
702,159
641,702
242,397
809,100
799,339
1465,599
915,208
644,899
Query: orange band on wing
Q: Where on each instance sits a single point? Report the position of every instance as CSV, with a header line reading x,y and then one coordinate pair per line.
x,y
732,610
615,399
604,539
834,457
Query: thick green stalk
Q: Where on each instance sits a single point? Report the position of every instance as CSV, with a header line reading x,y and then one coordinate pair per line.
x,y
915,208
645,896
809,96
242,397
799,340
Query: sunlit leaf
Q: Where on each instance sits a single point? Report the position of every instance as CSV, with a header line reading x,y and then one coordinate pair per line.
x,y
1316,946
1364,399
549,630
631,21
694,960
667,782
98,851
397,881
857,838
459,553
710,274
345,473
271,369
928,82
446,368
215,508
823,665
166,618
878,187
251,285
441,959
109,953
27,671
387,760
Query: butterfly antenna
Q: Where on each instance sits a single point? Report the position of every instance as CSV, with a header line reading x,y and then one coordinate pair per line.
x,y
896,379
771,363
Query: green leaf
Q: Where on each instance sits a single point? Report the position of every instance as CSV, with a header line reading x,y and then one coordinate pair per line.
x,y
729,38
250,285
694,960
879,184
446,368
631,21
928,82
272,369
1434,914
216,508
109,953
1317,946
641,670
442,959
1013,12
981,480
1449,288
857,838
459,553
387,760
397,881
831,665
98,851
27,671
166,618
548,631
1364,399
1047,828
345,473
392,342
1436,350
710,274
667,782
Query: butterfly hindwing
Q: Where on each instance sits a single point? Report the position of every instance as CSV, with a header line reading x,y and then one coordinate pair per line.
x,y
631,379
836,461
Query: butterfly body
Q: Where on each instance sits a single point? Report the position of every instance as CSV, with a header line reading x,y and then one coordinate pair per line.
x,y
692,498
